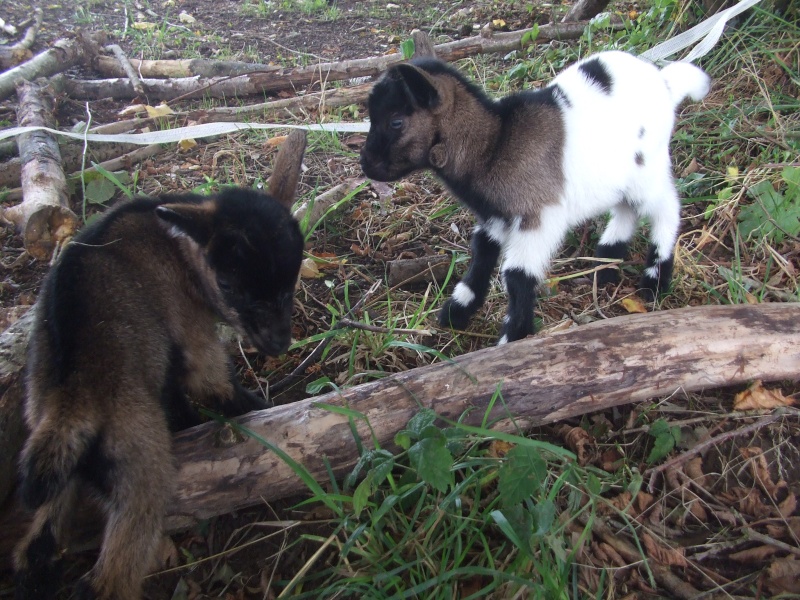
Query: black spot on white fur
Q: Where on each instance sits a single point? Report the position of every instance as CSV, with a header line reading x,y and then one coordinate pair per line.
x,y
597,74
639,159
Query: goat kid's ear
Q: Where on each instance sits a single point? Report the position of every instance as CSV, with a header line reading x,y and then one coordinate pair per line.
x,y
418,85
193,220
286,171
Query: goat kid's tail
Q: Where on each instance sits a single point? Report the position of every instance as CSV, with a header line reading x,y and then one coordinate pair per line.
x,y
686,80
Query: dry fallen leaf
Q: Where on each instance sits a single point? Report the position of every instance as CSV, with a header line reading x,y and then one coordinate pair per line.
x,y
760,470
309,269
758,397
275,141
577,440
187,144
663,554
757,554
185,17
143,26
783,577
499,448
158,111
633,305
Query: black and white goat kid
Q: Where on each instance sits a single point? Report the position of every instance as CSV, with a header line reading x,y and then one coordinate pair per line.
x,y
124,337
534,164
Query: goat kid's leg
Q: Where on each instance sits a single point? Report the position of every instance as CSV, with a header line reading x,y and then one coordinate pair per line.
x,y
470,292
211,379
615,239
664,225
37,560
138,489
527,254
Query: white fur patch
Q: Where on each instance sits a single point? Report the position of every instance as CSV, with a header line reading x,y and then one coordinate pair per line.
x,y
463,295
496,230
502,340
652,272
622,225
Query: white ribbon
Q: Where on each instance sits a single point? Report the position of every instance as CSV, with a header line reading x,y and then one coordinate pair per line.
x,y
177,134
709,31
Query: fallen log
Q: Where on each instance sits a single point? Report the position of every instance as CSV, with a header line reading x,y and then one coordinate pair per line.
x,y
126,161
273,78
584,9
13,345
71,159
546,379
11,56
43,218
543,380
64,54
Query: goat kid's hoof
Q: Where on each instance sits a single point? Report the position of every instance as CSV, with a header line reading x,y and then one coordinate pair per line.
x,y
454,315
606,276
512,333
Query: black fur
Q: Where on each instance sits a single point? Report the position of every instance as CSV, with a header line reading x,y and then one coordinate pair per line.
x,y
617,251
485,254
41,580
521,301
639,159
653,286
597,74
124,335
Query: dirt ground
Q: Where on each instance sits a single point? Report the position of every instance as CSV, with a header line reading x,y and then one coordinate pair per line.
x,y
238,558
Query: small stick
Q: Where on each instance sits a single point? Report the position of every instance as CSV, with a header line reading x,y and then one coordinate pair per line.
x,y
30,34
762,422
127,67
765,539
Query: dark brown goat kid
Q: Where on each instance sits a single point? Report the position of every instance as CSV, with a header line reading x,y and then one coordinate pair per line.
x,y
124,341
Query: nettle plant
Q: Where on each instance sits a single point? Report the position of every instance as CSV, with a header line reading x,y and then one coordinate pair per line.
x,y
450,502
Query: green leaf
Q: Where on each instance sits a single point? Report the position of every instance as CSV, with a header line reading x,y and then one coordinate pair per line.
x,y
421,420
361,495
403,439
433,463
544,513
382,465
521,475
517,524
316,386
99,191
408,48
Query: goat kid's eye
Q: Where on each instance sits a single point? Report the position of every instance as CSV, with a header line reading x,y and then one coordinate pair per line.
x,y
396,123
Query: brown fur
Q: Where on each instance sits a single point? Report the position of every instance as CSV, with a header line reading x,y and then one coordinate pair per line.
x,y
101,403
514,164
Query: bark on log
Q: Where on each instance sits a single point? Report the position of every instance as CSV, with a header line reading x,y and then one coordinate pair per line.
x,y
13,344
273,78
563,375
126,161
71,159
11,56
64,54
43,218
583,10
547,379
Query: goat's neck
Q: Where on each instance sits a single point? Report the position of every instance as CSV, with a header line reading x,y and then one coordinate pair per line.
x,y
470,138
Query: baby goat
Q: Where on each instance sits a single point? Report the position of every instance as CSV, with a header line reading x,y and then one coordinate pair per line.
x,y
124,337
534,164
